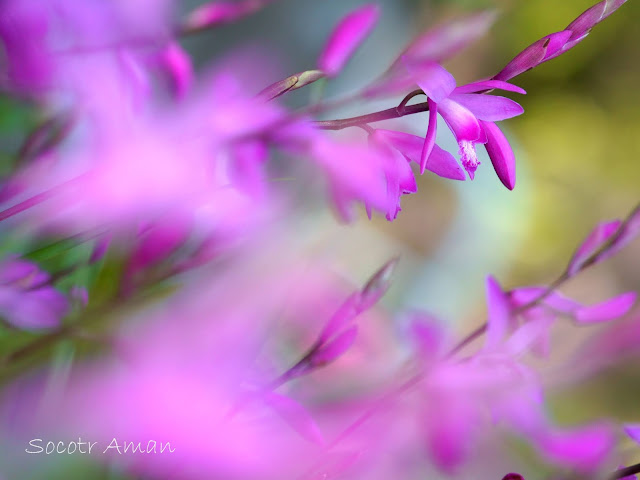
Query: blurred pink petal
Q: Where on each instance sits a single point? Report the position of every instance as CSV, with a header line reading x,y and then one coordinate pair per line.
x,y
607,310
434,80
594,241
346,37
334,348
498,316
296,416
179,69
444,41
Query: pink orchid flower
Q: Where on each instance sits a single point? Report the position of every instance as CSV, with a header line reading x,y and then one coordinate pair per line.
x,y
470,115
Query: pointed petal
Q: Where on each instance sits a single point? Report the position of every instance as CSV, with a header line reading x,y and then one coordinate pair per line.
x,y
177,64
633,430
584,447
526,336
532,55
346,37
489,85
594,241
342,317
630,231
430,138
490,108
334,348
609,310
407,144
296,416
434,80
498,314
443,164
461,121
501,154
218,13
445,40
378,284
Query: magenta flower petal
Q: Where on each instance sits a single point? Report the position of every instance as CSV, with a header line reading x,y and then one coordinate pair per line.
x,y
585,448
179,69
633,430
342,317
334,348
27,63
489,85
218,13
490,108
498,314
533,55
440,161
443,164
434,80
407,144
607,310
446,40
462,122
631,230
501,154
595,240
296,415
430,138
378,284
346,37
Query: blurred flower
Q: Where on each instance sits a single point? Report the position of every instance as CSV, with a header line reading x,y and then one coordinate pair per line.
x,y
27,301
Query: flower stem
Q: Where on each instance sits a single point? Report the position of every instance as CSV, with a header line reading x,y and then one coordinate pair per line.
x,y
625,472
388,114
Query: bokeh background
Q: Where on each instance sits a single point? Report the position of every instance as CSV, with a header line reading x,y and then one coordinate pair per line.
x,y
577,148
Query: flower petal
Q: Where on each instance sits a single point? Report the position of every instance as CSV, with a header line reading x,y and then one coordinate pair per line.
x,y
430,138
346,37
443,164
501,154
595,240
177,64
461,121
407,144
633,430
630,231
607,310
490,108
489,85
434,80
498,314
335,347
444,41
296,416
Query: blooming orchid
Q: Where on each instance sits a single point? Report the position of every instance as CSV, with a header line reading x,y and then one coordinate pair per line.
x,y
470,114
